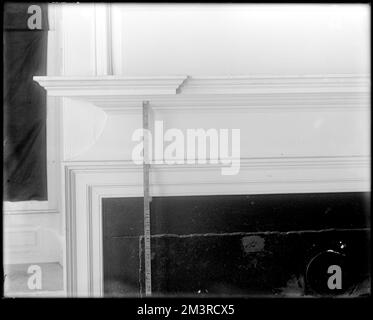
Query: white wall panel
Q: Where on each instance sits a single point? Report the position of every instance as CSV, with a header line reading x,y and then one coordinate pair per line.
x,y
32,238
241,39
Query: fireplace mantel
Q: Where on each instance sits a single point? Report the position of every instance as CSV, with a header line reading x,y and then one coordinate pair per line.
x,y
72,86
299,134
110,85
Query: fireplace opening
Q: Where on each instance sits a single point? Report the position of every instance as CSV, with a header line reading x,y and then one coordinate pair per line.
x,y
227,245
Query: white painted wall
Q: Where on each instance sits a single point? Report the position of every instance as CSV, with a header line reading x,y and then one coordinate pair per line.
x,y
240,39
215,39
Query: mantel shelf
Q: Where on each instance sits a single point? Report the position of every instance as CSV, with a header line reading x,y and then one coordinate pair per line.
x,y
185,85
110,85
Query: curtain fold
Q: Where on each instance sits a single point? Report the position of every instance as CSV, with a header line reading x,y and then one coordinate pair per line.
x,y
24,105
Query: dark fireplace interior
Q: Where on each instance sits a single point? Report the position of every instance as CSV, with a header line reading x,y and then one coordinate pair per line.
x,y
244,245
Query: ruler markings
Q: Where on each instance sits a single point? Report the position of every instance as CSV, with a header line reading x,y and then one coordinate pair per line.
x,y
147,199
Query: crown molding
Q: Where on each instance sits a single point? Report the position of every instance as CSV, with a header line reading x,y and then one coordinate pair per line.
x,y
257,175
277,84
184,85
109,85
361,161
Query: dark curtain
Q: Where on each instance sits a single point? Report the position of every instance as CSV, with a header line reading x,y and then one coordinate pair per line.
x,y
24,108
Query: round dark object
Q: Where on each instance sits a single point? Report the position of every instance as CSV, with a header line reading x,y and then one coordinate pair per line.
x,y
327,274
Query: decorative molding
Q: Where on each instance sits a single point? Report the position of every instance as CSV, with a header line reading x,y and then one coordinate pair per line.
x,y
87,183
316,102
110,85
28,207
297,102
274,175
225,94
250,163
30,211
277,84
132,86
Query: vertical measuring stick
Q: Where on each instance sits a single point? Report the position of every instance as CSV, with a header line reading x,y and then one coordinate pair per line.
x,y
147,200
